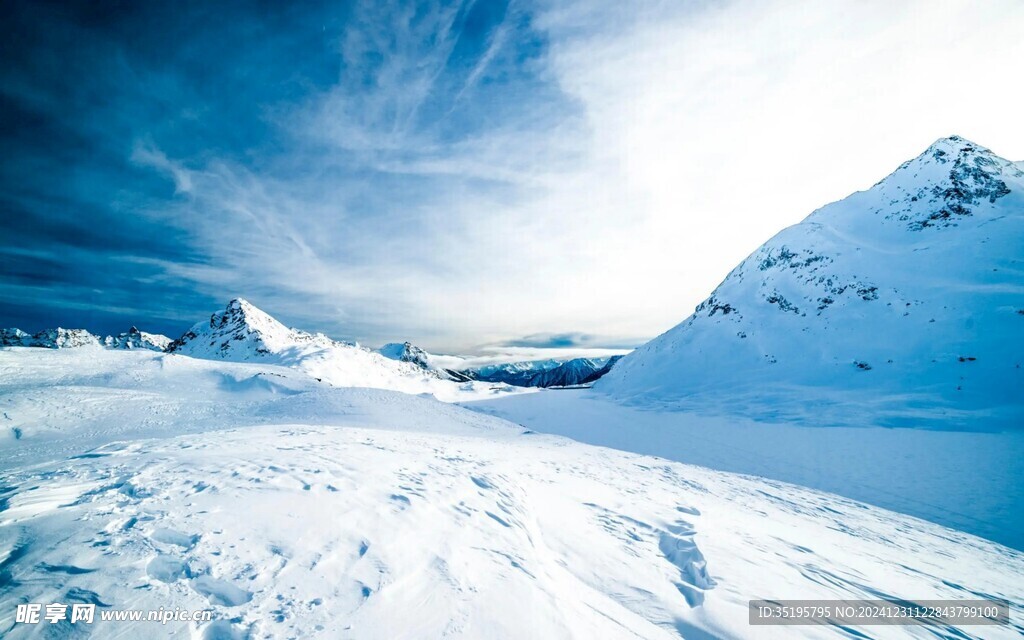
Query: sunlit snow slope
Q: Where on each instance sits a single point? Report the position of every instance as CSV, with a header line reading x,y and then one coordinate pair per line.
x,y
293,509
902,305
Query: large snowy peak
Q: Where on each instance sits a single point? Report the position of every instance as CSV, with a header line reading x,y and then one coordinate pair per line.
x,y
243,332
899,305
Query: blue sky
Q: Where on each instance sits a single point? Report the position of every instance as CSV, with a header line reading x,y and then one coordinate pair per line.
x,y
458,174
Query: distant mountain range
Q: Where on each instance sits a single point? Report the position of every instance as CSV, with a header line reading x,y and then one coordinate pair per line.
x,y
243,333
578,371
61,338
902,305
550,372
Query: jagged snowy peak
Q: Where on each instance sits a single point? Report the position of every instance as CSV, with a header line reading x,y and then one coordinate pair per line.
x,y
58,338
408,352
603,371
14,337
514,373
61,338
945,185
901,305
243,332
135,339
550,372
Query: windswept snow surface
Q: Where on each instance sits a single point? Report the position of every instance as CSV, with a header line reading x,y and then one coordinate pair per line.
x,y
901,305
294,509
970,481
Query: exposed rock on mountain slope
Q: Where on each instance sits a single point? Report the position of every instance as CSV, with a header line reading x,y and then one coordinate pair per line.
x,y
241,332
406,352
60,338
514,373
135,339
899,305
14,337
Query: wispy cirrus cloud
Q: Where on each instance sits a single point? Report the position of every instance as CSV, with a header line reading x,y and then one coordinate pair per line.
x,y
460,174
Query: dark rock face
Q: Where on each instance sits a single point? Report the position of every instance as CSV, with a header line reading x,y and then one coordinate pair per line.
x,y
974,177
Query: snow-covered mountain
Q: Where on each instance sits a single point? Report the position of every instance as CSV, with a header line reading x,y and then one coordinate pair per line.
x,y
136,480
243,333
408,352
135,339
549,372
61,338
603,371
58,338
545,372
899,305
514,373
573,372
14,337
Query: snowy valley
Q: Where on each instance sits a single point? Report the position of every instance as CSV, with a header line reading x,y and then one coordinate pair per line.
x,y
296,509
874,350
851,392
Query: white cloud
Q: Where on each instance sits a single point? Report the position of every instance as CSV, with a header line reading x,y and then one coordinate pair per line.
x,y
685,137
718,128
